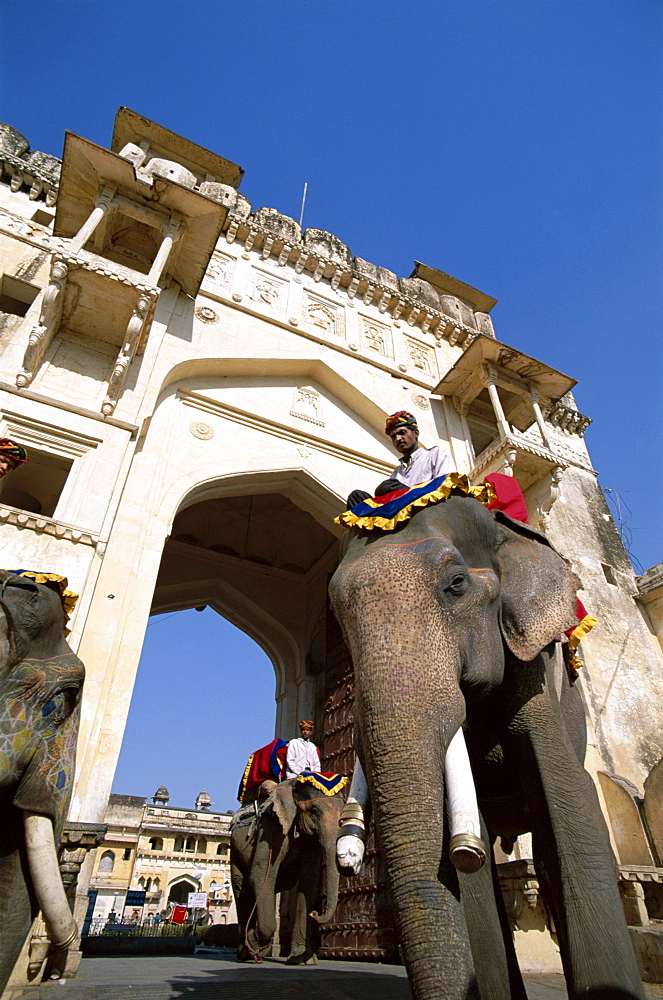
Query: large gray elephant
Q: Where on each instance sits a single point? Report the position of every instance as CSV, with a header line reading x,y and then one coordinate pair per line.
x,y
451,620
285,841
40,687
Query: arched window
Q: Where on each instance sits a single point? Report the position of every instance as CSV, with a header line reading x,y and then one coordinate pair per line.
x,y
156,844
222,849
202,845
156,884
141,882
107,862
190,844
179,844
148,885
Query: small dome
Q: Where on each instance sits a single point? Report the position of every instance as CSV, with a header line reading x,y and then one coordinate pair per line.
x,y
161,795
203,802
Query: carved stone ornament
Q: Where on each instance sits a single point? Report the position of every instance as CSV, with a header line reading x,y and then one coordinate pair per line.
x,y
307,405
207,315
420,401
201,430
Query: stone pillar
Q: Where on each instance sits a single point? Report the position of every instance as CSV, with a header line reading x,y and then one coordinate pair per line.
x,y
538,416
161,259
504,428
104,200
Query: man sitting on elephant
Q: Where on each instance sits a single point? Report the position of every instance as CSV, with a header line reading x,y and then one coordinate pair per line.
x,y
417,465
302,755
12,454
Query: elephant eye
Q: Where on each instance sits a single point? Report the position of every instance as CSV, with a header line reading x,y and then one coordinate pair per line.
x,y
458,584
57,708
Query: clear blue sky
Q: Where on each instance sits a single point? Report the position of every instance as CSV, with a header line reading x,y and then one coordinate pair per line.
x,y
515,145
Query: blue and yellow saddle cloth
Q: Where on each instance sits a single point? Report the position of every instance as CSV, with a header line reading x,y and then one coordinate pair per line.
x,y
325,782
387,511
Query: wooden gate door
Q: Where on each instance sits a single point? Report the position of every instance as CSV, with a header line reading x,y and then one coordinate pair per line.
x,y
363,927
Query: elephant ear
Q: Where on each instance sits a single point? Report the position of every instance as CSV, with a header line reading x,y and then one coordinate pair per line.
x,y
538,589
283,804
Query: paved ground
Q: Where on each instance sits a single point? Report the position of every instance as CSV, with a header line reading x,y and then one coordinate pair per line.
x,y
222,978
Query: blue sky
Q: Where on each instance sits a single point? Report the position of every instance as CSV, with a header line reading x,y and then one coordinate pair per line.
x,y
515,145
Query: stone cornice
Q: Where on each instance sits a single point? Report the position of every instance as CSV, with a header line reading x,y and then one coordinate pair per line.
x,y
62,404
46,526
107,268
39,172
346,276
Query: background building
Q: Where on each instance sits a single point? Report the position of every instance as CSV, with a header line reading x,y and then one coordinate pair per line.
x,y
166,851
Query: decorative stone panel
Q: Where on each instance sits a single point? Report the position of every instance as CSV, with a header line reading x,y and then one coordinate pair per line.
x,y
325,317
307,405
376,337
421,357
268,291
221,270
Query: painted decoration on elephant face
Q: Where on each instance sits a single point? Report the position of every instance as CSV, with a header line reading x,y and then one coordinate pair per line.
x,y
39,713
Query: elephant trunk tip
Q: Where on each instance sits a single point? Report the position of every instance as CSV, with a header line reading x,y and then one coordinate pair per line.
x,y
321,918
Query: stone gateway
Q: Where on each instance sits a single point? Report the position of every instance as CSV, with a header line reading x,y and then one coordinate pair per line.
x,y
199,386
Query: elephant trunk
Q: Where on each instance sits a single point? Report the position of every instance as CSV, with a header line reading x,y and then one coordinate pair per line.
x,y
45,873
332,879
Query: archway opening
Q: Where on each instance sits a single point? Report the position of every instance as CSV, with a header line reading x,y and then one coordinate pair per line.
x,y
179,891
235,647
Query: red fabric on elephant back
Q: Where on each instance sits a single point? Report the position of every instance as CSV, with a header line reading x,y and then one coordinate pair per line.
x,y
509,497
267,762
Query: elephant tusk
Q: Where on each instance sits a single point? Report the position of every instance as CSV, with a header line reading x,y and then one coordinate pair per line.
x,y
45,873
466,850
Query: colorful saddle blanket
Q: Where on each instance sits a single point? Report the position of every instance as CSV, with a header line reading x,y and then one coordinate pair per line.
x,y
324,781
267,762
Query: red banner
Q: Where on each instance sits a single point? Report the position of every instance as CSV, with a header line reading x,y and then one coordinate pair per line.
x,y
178,916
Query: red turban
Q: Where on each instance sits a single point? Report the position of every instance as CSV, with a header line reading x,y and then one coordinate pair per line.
x,y
400,419
13,450
305,722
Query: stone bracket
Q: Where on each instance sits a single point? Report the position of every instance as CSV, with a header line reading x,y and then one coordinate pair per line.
x,y
50,317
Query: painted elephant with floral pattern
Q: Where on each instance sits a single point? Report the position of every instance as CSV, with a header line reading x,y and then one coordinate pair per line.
x,y
41,680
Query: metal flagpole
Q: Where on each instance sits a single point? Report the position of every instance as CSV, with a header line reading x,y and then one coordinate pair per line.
x,y
301,214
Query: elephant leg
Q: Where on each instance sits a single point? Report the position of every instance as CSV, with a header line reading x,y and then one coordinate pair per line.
x,y
17,908
308,891
572,851
263,927
493,952
244,902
